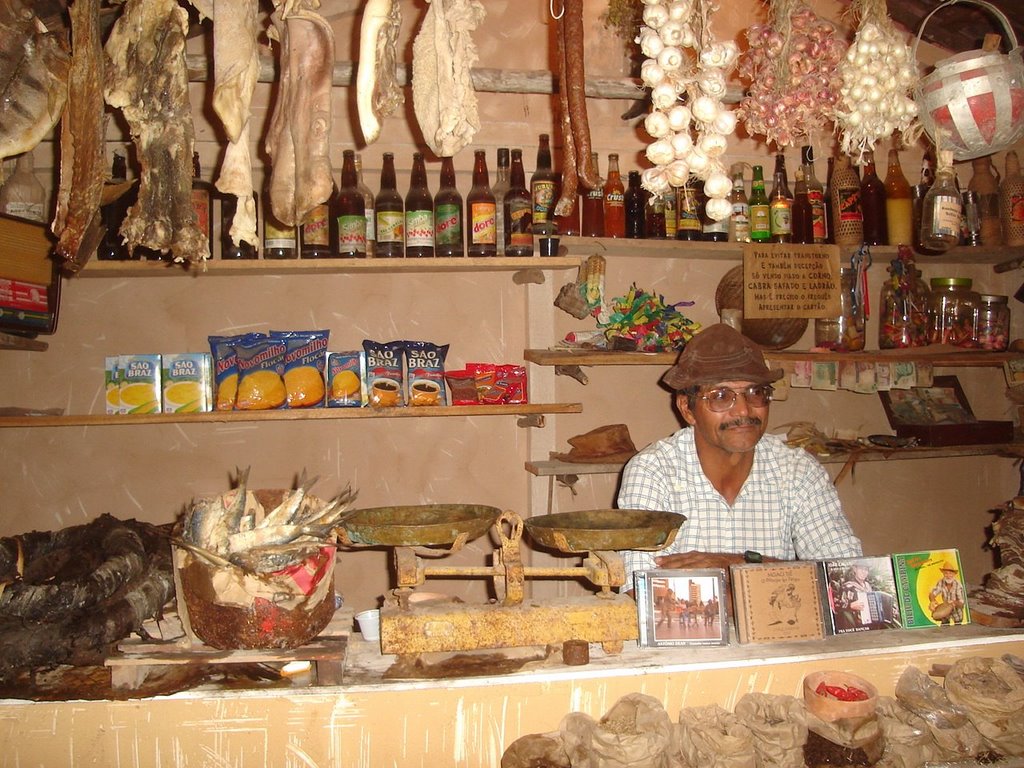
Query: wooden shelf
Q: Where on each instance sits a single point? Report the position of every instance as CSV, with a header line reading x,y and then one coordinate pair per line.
x,y
217,267
311,414
939,356
10,341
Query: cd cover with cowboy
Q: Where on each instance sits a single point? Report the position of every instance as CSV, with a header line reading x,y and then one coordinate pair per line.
x,y
931,588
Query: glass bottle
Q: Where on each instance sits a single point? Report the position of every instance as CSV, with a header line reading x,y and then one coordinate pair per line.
x,y
815,196
739,221
992,329
872,203
688,224
760,215
899,207
228,249
845,332
371,217
279,240
315,232
830,224
636,218
671,221
449,240
917,193
1011,201
654,219
349,214
390,210
202,201
518,211
614,201
543,185
903,306
952,310
712,231
780,203
941,208
419,213
803,216
480,213
22,195
985,183
112,247
592,224
845,203
970,218
499,188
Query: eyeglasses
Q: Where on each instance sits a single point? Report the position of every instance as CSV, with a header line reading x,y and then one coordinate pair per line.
x,y
723,398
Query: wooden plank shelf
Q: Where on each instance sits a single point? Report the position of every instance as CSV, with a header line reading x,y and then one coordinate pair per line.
x,y
309,414
11,341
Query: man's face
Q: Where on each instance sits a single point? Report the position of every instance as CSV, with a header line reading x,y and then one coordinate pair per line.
x,y
734,430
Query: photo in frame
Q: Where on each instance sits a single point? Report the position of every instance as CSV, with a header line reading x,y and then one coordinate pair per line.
x,y
679,607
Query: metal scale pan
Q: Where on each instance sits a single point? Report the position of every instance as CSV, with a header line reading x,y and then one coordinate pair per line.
x,y
602,530
421,525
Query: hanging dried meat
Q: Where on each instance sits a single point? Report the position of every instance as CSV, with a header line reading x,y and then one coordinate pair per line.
x,y
378,93
33,79
148,81
300,128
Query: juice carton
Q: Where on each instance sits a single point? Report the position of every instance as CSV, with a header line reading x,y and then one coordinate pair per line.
x,y
140,383
186,382
112,384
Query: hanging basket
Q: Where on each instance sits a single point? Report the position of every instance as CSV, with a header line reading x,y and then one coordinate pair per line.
x,y
973,102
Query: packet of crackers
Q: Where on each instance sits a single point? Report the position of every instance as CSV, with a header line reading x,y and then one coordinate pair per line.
x,y
384,376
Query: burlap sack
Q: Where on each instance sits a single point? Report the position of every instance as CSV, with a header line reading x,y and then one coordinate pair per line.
x,y
851,733
778,725
635,733
951,728
537,749
712,737
908,738
992,693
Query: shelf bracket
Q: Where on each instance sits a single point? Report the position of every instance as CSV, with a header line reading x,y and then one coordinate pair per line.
x,y
574,371
530,275
531,420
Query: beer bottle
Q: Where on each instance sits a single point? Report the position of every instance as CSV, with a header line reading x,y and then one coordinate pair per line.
x,y
518,214
593,207
480,213
448,238
899,208
499,188
780,204
371,218
760,216
543,185
803,216
390,213
419,213
815,196
228,249
279,241
688,223
614,200
202,201
739,221
349,216
872,203
654,226
111,247
634,204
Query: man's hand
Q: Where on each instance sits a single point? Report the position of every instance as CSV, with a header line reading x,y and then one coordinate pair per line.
x,y
693,559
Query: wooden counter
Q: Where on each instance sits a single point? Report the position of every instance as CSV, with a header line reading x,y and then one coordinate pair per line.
x,y
370,722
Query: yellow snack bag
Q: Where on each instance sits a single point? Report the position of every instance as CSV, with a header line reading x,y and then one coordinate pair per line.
x,y
304,361
344,374
225,368
260,375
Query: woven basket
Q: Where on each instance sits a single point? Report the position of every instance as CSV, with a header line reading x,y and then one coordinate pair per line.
x,y
973,102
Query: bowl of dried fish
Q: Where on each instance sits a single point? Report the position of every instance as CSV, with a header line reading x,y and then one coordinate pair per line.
x,y
256,568
604,529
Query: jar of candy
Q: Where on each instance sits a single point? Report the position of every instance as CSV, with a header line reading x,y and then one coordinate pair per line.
x,y
903,308
952,312
992,328
844,333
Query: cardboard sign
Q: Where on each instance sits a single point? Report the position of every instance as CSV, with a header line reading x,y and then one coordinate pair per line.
x,y
783,280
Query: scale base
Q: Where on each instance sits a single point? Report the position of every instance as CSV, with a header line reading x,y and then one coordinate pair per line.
x,y
465,627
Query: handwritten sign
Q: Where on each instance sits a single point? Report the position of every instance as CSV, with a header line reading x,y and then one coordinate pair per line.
x,y
783,280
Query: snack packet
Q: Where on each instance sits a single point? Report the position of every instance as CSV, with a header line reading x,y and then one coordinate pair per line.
x,y
463,387
261,374
304,361
384,379
345,380
225,368
425,373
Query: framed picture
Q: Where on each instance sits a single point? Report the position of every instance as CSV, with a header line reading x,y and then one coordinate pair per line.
x,y
681,607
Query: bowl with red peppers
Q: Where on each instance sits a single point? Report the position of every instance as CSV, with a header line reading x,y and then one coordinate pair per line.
x,y
835,695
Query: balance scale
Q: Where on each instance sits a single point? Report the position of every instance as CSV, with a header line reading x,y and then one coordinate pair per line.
x,y
420,536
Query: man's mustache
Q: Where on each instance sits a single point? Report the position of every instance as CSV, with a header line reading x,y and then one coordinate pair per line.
x,y
743,421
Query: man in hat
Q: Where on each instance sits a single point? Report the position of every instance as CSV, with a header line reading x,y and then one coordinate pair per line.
x,y
741,489
946,600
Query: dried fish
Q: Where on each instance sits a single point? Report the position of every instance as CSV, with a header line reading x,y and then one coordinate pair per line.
x,y
284,513
275,558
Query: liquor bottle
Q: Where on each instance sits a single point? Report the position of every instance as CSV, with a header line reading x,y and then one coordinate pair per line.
x,y
917,194
780,204
654,219
349,214
569,223
899,208
315,231
711,230
480,213
518,212
815,195
739,221
688,225
614,200
845,203
592,224
803,216
23,196
986,184
830,222
202,201
419,213
872,204
499,188
636,218
448,230
228,249
390,210
371,217
279,240
760,214
112,247
942,207
1011,201
543,184
671,220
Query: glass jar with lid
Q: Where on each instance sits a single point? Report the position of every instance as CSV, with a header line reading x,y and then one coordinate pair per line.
x,y
903,308
952,311
845,332
992,329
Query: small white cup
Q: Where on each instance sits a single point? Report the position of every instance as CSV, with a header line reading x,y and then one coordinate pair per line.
x,y
369,624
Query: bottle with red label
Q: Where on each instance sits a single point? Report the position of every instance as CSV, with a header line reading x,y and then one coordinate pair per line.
x,y
390,210
419,213
349,215
518,205
846,210
448,237
614,200
481,214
